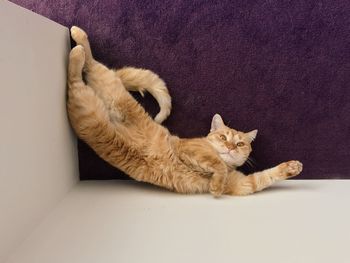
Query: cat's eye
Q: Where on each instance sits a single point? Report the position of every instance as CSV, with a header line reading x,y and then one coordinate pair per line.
x,y
240,144
223,137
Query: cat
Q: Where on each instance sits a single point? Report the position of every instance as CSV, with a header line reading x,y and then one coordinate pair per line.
x,y
105,115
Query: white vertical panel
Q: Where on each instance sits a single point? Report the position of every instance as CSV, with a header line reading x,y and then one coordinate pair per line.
x,y
38,159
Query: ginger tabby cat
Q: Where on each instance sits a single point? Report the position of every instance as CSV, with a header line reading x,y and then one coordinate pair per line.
x,y
105,115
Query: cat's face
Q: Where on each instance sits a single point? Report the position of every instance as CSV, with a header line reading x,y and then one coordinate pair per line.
x,y
233,146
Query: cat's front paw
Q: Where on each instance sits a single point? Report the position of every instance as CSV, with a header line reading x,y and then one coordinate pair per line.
x,y
291,168
216,188
78,34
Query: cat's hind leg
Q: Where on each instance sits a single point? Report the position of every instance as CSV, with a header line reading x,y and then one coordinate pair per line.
x,y
102,79
87,112
108,86
98,76
75,67
240,184
81,38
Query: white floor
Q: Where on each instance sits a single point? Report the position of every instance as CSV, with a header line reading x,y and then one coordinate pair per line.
x,y
123,221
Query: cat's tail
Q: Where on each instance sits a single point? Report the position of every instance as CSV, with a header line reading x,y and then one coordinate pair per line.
x,y
142,80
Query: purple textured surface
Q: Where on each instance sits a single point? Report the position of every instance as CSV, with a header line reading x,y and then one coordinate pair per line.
x,y
282,67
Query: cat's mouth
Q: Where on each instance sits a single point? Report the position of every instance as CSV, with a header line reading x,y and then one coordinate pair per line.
x,y
229,152
231,157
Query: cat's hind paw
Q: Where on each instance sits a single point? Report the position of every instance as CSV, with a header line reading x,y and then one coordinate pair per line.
x,y
78,34
77,56
77,52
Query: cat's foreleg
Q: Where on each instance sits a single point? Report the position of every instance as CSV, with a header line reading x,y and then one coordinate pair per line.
x,y
218,179
240,184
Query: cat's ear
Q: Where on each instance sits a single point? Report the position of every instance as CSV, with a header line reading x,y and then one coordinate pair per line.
x,y
252,135
216,123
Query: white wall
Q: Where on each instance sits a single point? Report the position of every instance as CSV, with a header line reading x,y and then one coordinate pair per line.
x,y
38,158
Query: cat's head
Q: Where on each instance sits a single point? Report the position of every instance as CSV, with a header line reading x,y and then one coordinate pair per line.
x,y
233,146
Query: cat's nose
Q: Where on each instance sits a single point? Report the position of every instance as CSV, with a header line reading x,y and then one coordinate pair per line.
x,y
231,146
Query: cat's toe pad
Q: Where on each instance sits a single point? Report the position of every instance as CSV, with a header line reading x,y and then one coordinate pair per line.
x,y
292,168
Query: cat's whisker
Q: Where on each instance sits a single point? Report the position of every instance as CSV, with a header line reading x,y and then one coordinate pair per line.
x,y
251,162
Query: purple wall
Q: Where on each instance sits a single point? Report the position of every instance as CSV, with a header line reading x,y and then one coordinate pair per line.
x,y
282,67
